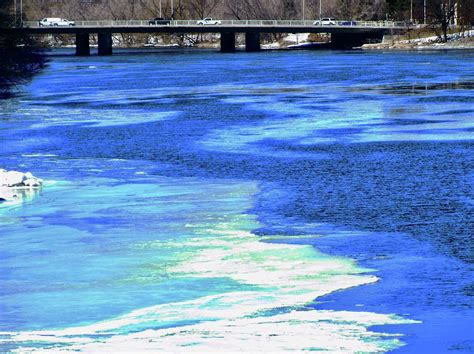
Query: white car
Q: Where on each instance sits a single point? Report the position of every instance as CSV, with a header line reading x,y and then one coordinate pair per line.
x,y
208,21
54,21
327,21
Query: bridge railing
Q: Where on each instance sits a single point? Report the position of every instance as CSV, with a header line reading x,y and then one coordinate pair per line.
x,y
236,23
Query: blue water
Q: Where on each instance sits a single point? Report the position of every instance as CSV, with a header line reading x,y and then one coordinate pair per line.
x,y
273,201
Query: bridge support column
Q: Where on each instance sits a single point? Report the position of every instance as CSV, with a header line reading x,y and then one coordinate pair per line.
x,y
105,43
252,41
227,42
82,44
351,40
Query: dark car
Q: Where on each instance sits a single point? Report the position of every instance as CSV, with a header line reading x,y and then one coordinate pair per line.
x,y
159,21
348,23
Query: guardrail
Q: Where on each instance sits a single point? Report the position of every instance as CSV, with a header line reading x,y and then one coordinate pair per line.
x,y
230,23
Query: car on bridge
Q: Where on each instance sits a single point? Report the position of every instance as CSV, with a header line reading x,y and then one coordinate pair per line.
x,y
54,21
348,23
327,21
208,21
159,21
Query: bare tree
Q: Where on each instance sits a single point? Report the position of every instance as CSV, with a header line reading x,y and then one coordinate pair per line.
x,y
265,9
360,9
290,10
441,15
202,8
237,10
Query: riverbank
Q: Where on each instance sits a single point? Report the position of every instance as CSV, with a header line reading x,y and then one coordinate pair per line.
x,y
463,40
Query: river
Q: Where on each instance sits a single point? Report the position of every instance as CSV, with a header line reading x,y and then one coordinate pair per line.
x,y
273,201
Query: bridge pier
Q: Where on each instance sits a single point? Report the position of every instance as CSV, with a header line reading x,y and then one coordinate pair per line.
x,y
252,41
82,44
351,40
105,43
227,42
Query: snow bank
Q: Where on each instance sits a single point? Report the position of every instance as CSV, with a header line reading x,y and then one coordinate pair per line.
x,y
292,40
451,37
455,41
10,181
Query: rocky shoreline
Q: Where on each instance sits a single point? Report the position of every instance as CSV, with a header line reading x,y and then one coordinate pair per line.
x,y
457,41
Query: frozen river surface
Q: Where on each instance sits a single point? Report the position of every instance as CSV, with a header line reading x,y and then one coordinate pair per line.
x,y
279,201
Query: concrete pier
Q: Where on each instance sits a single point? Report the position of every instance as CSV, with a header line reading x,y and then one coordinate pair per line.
x,y
252,41
352,40
105,43
227,42
82,44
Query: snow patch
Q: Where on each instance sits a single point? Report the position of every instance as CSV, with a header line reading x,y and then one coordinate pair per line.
x,y
11,182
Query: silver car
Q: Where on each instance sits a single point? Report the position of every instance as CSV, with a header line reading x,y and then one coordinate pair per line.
x,y
208,21
326,21
55,21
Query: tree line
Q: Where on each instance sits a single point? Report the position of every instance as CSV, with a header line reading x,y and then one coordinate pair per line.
x,y
438,14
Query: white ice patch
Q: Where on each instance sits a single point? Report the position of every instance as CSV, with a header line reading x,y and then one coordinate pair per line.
x,y
100,118
39,155
306,116
337,332
17,187
271,316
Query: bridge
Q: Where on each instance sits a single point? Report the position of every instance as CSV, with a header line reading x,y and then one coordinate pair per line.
x,y
344,34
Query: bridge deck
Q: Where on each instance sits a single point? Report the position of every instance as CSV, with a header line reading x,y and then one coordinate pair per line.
x,y
189,26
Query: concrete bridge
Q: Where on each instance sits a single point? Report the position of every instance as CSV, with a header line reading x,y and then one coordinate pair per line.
x,y
344,34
